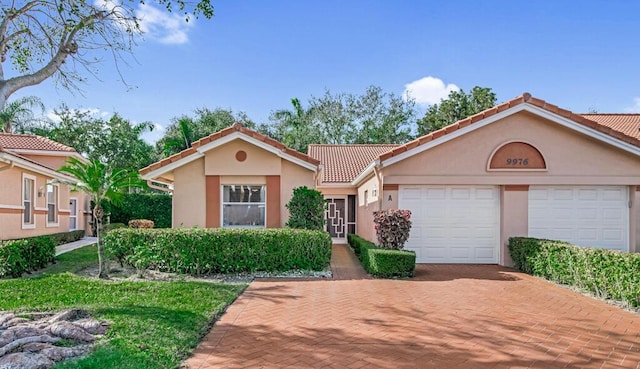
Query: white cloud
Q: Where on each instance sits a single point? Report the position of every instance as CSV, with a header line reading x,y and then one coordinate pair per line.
x,y
635,108
165,27
95,112
428,90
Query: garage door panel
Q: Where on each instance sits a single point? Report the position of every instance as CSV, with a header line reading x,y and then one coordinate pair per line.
x,y
593,216
457,224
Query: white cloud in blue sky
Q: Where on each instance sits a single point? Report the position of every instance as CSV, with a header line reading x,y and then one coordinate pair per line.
x,y
162,26
428,90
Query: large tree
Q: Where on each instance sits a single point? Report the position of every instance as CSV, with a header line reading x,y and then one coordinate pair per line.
x,y
103,183
115,140
17,116
458,105
185,130
296,128
40,39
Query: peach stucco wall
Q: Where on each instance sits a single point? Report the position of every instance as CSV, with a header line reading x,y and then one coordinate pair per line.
x,y
53,162
189,197
572,159
11,207
189,191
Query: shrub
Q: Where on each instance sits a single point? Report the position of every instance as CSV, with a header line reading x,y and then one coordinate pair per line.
x,y
306,209
156,207
220,250
383,263
141,223
112,226
28,254
606,273
392,228
66,237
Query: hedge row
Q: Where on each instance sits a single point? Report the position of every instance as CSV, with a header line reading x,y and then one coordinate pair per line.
x,y
606,273
383,263
28,254
222,250
156,207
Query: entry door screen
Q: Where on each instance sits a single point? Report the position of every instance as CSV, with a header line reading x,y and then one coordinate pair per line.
x,y
335,214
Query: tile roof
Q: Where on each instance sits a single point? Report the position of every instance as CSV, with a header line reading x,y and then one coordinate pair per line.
x,y
629,124
236,127
343,163
600,124
10,141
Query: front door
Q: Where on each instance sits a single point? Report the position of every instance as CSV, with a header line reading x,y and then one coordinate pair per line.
x,y
336,216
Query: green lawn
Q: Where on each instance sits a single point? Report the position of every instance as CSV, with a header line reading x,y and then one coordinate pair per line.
x,y
153,324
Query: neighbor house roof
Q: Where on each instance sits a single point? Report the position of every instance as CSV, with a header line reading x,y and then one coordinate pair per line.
x,y
629,124
11,141
343,163
619,129
236,127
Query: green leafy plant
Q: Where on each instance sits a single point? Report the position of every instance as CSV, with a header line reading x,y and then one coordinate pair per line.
x,y
306,209
392,228
220,250
606,273
26,255
141,223
152,206
383,263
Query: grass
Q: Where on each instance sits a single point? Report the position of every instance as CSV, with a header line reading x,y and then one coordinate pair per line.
x,y
73,261
152,324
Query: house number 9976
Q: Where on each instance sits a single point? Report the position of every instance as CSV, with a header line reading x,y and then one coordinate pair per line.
x,y
517,161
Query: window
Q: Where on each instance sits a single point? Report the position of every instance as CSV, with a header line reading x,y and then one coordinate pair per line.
x,y
243,206
73,214
366,198
28,200
52,203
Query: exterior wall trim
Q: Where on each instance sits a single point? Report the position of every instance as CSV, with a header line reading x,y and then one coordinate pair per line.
x,y
516,187
213,201
272,213
489,169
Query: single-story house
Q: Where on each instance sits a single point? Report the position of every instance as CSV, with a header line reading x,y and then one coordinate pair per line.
x,y
522,168
33,201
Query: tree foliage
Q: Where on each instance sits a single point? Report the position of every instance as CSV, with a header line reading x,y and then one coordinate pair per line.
x,y
40,39
17,116
457,106
102,183
185,130
373,117
115,140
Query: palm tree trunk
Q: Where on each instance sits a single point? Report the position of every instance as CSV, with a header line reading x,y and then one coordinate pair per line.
x,y
103,269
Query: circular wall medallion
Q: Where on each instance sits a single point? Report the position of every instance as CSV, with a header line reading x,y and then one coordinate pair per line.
x,y
241,156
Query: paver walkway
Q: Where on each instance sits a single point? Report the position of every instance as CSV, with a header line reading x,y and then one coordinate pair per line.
x,y
448,316
75,245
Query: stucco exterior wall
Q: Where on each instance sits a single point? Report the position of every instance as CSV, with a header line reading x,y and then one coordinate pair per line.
x,y
189,194
11,206
53,162
514,219
222,160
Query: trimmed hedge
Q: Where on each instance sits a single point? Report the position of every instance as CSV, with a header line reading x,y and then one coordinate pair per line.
x,y
381,262
66,237
25,255
606,273
156,207
220,250
112,226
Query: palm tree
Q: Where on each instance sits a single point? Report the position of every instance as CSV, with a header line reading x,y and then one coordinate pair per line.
x,y
16,115
297,126
183,140
103,183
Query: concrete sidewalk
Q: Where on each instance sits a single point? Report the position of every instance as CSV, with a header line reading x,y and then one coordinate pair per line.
x,y
75,245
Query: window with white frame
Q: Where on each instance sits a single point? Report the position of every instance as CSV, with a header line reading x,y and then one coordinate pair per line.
x,y
52,203
28,200
243,206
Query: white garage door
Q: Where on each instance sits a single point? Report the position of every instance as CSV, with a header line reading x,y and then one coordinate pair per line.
x,y
595,216
453,224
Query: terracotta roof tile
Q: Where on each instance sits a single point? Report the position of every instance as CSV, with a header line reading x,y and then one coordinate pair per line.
x,y
9,141
625,127
343,163
236,127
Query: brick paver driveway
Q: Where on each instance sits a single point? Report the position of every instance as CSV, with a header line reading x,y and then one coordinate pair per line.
x,y
446,317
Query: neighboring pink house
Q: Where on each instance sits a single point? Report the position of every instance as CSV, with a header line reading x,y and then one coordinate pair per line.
x,y
33,202
522,168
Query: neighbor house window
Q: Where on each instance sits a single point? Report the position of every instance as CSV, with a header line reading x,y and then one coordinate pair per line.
x,y
243,206
52,203
28,200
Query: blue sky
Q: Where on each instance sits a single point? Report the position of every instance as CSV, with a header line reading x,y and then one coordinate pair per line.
x,y
253,56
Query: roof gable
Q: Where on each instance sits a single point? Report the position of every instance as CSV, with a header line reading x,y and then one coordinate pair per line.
x,y
236,131
599,130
